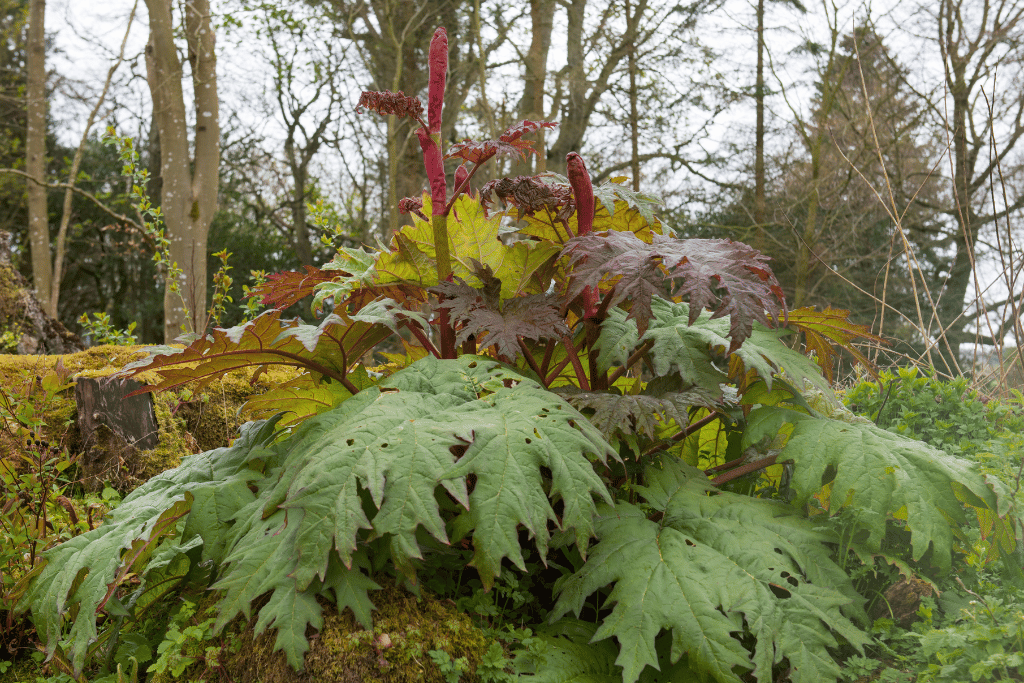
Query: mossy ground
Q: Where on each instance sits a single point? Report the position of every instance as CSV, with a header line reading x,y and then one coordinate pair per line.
x,y
405,629
187,423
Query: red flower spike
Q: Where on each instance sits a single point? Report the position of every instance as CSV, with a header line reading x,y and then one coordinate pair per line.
x,y
438,73
435,171
387,103
583,192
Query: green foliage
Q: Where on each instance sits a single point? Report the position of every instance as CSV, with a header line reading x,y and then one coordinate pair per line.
x,y
947,414
702,567
36,477
102,331
151,216
551,392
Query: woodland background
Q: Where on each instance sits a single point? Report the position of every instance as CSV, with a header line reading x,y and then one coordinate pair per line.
x,y
874,153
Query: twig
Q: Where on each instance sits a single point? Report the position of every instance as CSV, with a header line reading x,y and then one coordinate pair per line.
x,y
76,190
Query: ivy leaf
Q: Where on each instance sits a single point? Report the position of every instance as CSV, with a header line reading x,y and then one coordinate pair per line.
x,y
727,278
824,330
714,564
882,475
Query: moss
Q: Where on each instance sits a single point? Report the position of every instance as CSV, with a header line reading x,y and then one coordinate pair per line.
x,y
405,629
10,324
187,424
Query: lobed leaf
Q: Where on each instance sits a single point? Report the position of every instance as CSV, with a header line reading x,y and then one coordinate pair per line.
x,y
715,564
523,268
326,349
880,476
824,330
205,491
482,316
509,143
727,278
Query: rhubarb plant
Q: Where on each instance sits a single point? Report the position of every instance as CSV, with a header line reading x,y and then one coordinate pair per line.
x,y
577,390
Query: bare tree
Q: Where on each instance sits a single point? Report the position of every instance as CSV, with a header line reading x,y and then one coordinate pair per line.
x,y
982,48
35,153
189,182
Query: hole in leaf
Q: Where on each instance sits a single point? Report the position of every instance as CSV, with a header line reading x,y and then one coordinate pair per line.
x,y
384,445
790,579
350,442
779,591
529,441
691,543
472,365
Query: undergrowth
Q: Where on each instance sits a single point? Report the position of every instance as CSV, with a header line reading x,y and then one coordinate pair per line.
x,y
608,445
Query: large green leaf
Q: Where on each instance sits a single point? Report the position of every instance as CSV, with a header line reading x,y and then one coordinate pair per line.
x,y
878,475
397,443
710,566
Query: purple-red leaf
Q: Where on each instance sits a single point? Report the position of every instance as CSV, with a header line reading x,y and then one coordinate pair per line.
x,y
508,143
722,276
483,317
281,290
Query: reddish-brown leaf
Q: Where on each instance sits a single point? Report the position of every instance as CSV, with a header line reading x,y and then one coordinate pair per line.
x,y
281,290
509,143
724,277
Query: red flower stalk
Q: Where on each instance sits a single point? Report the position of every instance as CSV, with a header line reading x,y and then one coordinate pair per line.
x,y
434,165
583,191
438,73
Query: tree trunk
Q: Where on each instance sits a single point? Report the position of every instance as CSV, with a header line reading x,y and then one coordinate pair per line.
x,y
951,306
573,124
760,241
531,107
189,190
634,116
35,154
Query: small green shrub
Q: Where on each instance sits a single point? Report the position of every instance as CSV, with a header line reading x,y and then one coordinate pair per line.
x,y
948,414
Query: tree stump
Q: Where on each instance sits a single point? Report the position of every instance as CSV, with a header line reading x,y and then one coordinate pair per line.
x,y
113,425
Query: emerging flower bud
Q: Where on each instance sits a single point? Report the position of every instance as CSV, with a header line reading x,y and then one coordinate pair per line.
x,y
461,180
438,74
583,191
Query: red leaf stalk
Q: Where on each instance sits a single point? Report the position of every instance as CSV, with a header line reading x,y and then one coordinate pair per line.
x,y
583,194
